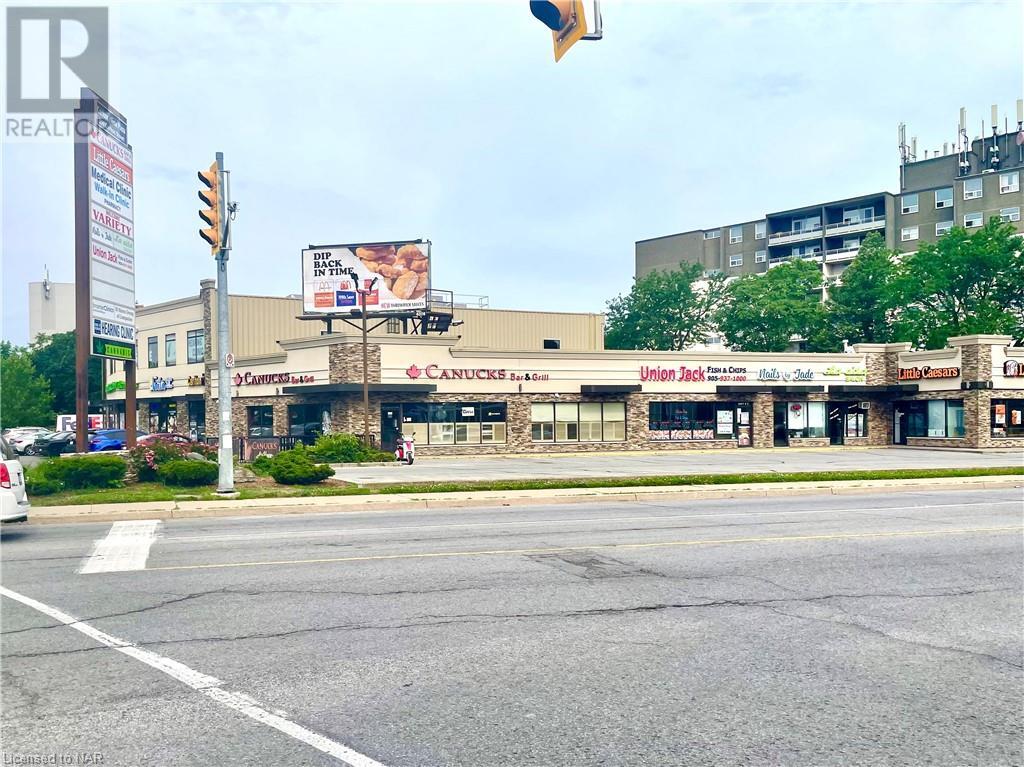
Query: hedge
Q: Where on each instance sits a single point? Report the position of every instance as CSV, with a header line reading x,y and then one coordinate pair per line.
x,y
85,471
188,473
295,467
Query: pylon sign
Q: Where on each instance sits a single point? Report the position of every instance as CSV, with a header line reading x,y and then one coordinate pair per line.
x,y
105,227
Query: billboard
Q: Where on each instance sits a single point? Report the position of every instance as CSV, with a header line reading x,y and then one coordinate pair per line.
x,y
332,275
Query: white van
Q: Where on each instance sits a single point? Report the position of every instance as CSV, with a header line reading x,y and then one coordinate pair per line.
x,y
14,503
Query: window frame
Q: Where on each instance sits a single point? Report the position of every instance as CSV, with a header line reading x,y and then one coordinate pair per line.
x,y
1010,407
260,411
974,194
1006,215
484,417
944,203
195,340
760,230
546,431
735,260
683,420
734,238
913,231
923,414
942,227
153,351
910,207
170,349
977,215
712,234
1012,187
760,256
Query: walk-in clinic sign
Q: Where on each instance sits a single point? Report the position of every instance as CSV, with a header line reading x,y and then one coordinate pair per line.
x,y
105,193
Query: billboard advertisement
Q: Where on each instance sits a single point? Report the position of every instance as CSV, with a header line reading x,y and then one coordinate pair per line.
x,y
333,274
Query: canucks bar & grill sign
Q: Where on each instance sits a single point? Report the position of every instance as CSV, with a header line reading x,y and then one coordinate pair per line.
x,y
110,205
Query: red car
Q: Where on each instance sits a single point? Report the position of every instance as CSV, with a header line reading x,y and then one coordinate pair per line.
x,y
174,439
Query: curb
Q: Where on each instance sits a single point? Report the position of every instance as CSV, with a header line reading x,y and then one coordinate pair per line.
x,y
490,499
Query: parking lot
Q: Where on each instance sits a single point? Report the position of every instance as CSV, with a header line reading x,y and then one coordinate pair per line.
x,y
427,469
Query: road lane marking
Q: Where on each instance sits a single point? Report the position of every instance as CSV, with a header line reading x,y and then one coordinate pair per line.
x,y
209,686
592,547
125,548
316,533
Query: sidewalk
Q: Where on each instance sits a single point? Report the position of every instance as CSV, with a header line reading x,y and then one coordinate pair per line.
x,y
496,498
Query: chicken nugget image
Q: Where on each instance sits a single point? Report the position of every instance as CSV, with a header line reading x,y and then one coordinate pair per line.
x,y
409,253
419,265
375,252
405,285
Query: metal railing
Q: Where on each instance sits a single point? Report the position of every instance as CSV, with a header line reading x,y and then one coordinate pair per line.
x,y
794,232
875,220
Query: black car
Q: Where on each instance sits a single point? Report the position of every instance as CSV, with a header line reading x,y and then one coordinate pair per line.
x,y
55,444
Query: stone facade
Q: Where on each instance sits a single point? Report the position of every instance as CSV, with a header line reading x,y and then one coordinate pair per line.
x,y
346,363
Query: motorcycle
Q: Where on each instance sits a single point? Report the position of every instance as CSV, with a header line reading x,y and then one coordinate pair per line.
x,y
405,450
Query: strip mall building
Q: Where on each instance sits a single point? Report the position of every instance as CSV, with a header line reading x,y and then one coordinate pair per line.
x,y
493,387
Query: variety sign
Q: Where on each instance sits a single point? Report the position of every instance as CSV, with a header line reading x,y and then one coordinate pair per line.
x,y
1013,369
919,373
111,243
332,277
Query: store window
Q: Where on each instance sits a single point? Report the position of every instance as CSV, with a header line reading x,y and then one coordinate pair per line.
x,y
163,417
936,418
673,421
856,421
308,420
1008,418
196,343
805,420
196,419
261,420
170,349
449,423
153,353
578,421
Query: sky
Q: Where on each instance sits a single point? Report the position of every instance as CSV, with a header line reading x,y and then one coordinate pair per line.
x,y
355,122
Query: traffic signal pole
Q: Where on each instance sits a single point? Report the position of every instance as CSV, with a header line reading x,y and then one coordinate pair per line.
x,y
225,453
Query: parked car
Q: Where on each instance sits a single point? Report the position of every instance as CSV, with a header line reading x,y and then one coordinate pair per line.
x,y
14,504
54,444
20,439
163,436
110,439
33,447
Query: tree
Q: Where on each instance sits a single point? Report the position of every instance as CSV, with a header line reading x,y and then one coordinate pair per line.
x,y
665,310
765,310
54,359
862,307
962,284
25,397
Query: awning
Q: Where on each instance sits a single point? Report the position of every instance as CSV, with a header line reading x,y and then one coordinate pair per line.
x,y
874,389
729,389
357,388
609,388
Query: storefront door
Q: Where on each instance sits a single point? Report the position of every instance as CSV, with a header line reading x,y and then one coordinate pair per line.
x,y
899,426
390,427
781,425
836,419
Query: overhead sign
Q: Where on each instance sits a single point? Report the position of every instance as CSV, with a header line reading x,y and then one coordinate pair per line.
x,y
918,373
1013,369
107,177
333,276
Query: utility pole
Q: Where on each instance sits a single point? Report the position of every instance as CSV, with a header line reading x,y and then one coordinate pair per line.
x,y
363,291
217,196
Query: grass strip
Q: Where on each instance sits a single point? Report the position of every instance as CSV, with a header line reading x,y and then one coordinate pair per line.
x,y
152,491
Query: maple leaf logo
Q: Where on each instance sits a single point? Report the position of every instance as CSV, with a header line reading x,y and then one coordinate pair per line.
x,y
412,371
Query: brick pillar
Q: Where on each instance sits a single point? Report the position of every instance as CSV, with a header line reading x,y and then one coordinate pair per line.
x,y
764,420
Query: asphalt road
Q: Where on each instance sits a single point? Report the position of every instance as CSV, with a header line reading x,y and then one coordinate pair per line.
x,y
804,630
427,469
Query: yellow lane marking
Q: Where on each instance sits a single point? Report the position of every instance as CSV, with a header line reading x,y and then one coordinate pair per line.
x,y
556,550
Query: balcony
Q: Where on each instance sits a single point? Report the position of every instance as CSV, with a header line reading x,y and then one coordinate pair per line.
x,y
796,235
783,259
837,255
852,226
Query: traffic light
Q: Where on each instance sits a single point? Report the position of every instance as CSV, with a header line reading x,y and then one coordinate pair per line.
x,y
211,216
567,21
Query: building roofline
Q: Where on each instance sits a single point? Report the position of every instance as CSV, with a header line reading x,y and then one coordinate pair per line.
x,y
883,193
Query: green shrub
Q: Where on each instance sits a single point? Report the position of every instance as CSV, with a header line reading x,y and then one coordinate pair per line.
x,y
84,471
260,465
146,460
188,473
41,486
346,448
209,452
296,467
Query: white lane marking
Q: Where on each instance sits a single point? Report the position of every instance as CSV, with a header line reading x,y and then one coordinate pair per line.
x,y
570,521
125,548
207,685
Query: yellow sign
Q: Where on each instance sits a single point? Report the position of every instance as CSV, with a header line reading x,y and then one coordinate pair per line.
x,y
573,30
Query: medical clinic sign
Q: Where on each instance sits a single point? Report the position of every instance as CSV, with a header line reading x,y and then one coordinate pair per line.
x,y
105,228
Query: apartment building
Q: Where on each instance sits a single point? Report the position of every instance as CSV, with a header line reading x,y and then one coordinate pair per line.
x,y
959,186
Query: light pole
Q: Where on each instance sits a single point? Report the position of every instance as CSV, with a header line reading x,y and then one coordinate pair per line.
x,y
363,292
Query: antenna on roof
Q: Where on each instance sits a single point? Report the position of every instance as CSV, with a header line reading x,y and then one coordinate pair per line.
x,y
1020,130
963,145
993,152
